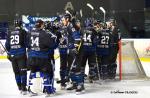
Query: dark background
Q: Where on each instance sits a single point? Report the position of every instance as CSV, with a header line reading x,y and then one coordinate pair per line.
x,y
132,15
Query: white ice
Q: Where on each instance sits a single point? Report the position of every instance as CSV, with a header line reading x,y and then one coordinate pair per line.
x,y
8,88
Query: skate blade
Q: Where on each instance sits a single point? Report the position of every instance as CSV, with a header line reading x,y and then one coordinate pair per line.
x,y
79,93
50,95
62,88
33,94
24,93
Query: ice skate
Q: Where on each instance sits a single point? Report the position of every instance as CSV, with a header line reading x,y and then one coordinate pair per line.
x,y
80,89
72,86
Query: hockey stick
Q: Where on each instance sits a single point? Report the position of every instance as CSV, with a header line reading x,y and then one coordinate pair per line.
x,y
104,12
90,6
101,8
81,13
56,57
98,70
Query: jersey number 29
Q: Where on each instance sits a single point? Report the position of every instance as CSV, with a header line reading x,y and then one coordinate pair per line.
x,y
14,39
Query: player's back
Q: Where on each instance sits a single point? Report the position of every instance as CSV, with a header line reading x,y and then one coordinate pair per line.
x,y
103,45
16,41
39,43
88,35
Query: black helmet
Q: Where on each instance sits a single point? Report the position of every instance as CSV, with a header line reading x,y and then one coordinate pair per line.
x,y
18,23
68,16
113,21
39,23
97,22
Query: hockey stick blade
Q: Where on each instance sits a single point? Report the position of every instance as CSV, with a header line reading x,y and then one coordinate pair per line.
x,y
90,6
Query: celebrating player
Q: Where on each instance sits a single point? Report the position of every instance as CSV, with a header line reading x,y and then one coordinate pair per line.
x,y
74,43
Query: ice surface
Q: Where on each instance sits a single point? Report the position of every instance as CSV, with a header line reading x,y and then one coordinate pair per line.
x,y
8,88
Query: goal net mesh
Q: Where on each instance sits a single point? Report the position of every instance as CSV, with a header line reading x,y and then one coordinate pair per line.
x,y
129,63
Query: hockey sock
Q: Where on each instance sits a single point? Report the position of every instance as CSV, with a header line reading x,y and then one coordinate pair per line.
x,y
63,75
92,72
112,70
18,81
104,72
24,78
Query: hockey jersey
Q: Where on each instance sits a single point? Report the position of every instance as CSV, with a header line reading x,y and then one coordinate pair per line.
x,y
40,43
16,42
103,44
115,36
63,40
74,36
88,35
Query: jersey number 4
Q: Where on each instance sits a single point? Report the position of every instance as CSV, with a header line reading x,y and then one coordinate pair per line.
x,y
14,39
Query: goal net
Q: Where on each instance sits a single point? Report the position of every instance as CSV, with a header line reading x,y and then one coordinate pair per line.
x,y
129,63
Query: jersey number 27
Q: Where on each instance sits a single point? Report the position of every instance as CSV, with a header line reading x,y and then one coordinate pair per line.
x,y
104,39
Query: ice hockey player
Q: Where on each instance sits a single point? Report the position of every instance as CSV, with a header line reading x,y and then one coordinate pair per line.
x,y
39,44
50,28
103,50
114,47
74,43
89,51
16,47
63,51
62,43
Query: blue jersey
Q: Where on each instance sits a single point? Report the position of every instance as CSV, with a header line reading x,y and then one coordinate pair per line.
x,y
16,42
74,36
63,41
103,44
40,43
88,35
115,36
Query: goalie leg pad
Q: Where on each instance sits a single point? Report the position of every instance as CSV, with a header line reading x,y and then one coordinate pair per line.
x,y
48,84
77,78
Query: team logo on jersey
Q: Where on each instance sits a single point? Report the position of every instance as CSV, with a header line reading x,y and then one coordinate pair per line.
x,y
73,29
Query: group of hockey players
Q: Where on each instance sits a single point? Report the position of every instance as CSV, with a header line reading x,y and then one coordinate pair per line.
x,y
78,42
